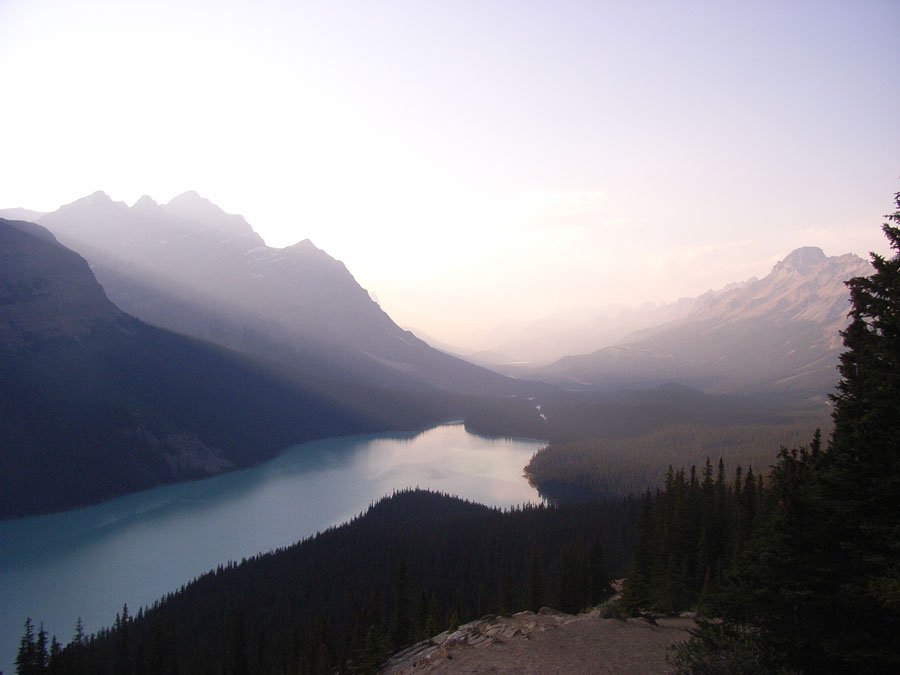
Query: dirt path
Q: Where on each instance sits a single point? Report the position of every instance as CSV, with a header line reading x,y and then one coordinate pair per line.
x,y
548,642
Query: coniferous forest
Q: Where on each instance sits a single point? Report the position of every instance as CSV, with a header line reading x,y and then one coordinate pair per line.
x,y
413,565
813,585
793,568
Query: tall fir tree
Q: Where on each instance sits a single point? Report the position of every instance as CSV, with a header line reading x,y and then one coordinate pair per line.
x,y
859,481
26,658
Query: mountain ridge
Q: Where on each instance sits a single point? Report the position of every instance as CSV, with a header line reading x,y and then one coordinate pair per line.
x,y
124,406
190,267
780,332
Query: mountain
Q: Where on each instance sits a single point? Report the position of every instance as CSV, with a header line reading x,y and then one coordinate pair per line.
x,y
778,333
20,214
190,267
96,403
44,294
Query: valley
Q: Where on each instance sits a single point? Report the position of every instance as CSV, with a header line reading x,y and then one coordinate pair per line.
x,y
355,338
273,404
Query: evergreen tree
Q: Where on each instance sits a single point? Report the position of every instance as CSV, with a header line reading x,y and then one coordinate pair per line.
x,y
859,482
41,651
78,637
770,588
55,652
123,629
373,652
26,658
76,647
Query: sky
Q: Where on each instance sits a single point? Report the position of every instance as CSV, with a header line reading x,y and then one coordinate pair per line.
x,y
480,162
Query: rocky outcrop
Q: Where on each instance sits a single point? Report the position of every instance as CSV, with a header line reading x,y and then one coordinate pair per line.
x,y
546,642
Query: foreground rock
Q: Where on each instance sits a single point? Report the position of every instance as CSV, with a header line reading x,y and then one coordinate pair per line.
x,y
547,642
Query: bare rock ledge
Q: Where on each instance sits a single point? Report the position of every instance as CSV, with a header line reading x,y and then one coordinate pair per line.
x,y
546,642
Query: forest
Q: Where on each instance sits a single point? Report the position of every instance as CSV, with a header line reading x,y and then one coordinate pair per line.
x,y
413,565
601,467
577,416
815,587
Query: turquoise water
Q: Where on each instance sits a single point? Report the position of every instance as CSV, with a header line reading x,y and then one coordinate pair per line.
x,y
88,562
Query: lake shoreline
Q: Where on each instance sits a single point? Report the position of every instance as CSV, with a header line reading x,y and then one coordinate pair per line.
x,y
136,548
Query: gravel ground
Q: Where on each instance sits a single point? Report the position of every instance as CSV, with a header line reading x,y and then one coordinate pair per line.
x,y
547,642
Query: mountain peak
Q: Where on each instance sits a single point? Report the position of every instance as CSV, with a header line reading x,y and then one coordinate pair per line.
x,y
305,245
190,203
146,202
94,201
803,259
188,195
98,196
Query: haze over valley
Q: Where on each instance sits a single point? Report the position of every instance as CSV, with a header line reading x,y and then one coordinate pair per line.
x,y
382,338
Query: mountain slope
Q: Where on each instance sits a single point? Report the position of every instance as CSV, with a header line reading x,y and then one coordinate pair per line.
x,y
95,403
190,267
778,333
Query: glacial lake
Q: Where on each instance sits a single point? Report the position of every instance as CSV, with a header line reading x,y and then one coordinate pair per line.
x,y
88,562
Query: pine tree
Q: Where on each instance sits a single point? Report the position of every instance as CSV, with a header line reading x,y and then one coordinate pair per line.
x,y
373,652
123,628
78,637
859,484
26,659
55,652
77,647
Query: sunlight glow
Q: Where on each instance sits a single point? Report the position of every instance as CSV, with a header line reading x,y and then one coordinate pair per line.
x,y
477,162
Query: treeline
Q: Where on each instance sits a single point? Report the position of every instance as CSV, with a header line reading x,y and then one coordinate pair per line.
x,y
690,533
413,565
604,467
570,417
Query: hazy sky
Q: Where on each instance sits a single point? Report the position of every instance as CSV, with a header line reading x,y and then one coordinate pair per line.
x,y
474,161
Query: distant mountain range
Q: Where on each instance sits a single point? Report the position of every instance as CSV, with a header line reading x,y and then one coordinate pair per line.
x,y
301,351
572,331
192,268
778,333
95,403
